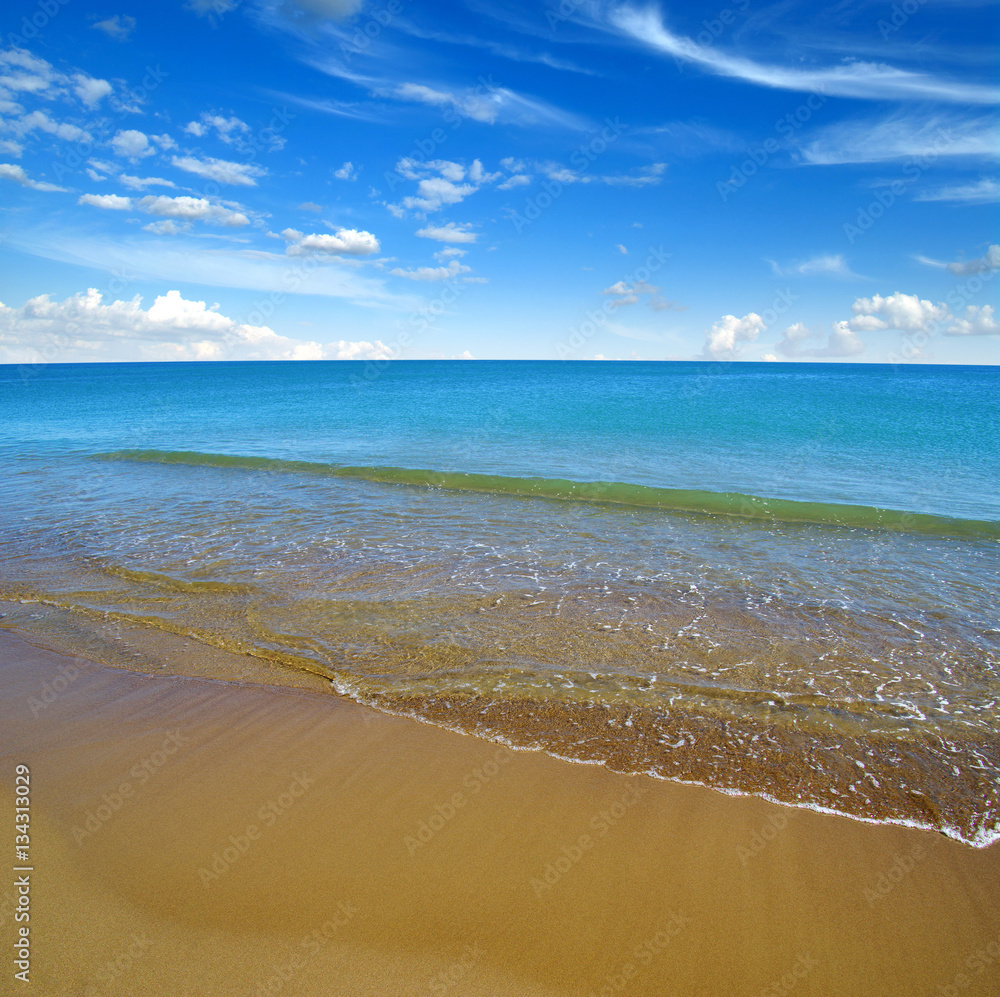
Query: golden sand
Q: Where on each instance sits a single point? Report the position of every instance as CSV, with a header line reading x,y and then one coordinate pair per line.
x,y
195,837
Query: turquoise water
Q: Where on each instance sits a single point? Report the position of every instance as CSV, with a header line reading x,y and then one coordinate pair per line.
x,y
778,579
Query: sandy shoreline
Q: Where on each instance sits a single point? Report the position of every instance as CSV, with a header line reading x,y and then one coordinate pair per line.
x,y
200,837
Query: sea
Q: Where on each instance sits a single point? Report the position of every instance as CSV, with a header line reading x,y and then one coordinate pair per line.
x,y
771,579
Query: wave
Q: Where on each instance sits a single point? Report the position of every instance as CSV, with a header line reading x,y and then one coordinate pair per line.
x,y
618,493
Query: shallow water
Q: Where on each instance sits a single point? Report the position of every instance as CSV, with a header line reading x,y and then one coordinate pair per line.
x,y
772,579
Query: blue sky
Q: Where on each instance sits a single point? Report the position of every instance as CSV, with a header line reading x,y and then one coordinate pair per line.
x,y
345,179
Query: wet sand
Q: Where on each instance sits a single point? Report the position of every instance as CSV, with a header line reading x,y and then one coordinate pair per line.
x,y
220,838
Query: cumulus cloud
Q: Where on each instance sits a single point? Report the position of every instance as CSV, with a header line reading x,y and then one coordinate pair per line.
x,y
516,180
342,242
440,183
118,26
192,209
961,268
468,103
39,120
167,227
227,129
111,202
9,171
905,312
628,294
90,91
131,144
842,342
85,328
977,322
346,172
722,339
453,269
221,170
451,232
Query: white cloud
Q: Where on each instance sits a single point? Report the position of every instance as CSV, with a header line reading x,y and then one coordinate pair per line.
x,y
864,80
905,312
721,339
842,342
8,171
225,128
440,183
131,145
961,268
451,232
23,72
621,248
834,265
118,26
902,136
449,252
517,180
977,322
192,208
84,328
453,269
167,227
985,191
41,121
221,170
111,202
8,147
89,90
140,183
346,172
343,242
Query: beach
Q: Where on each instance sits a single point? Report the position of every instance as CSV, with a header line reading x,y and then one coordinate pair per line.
x,y
195,836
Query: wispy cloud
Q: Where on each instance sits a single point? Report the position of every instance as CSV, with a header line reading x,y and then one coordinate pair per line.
x,y
903,136
984,191
832,265
961,268
861,80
